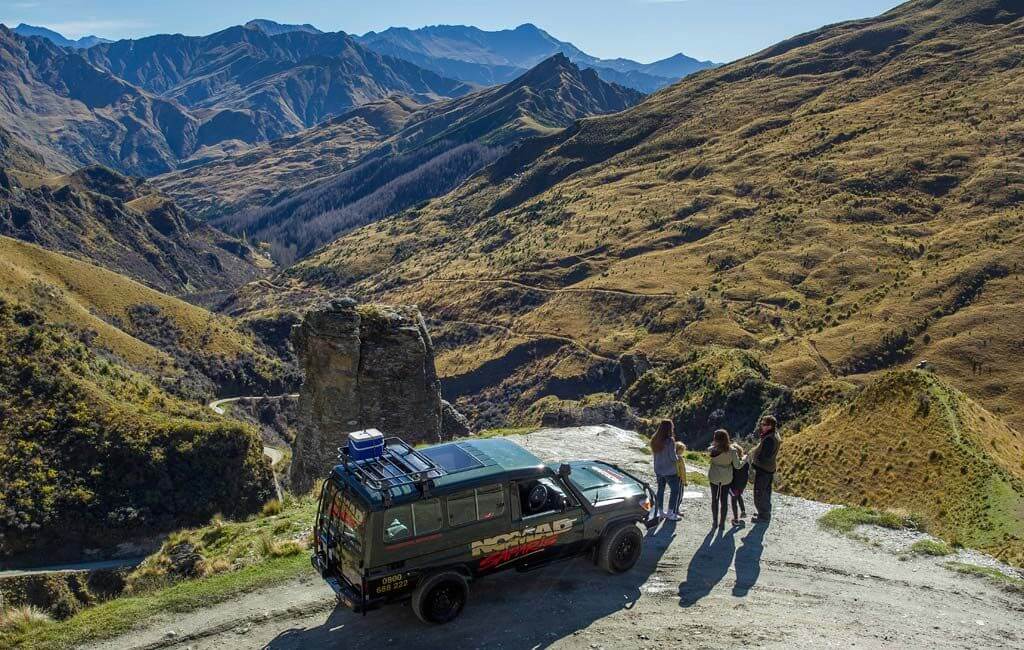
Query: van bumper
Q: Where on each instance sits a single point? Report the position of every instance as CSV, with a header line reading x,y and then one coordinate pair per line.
x,y
346,594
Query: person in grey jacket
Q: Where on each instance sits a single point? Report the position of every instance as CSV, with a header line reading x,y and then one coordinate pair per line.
x,y
664,450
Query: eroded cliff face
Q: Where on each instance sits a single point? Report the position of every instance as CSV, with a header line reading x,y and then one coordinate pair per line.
x,y
366,366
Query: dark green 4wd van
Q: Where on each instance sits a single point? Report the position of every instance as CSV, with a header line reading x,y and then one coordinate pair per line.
x,y
422,524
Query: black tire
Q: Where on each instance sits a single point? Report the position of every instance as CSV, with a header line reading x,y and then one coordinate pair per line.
x,y
620,548
439,598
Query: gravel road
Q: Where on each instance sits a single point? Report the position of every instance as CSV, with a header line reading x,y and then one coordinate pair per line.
x,y
790,584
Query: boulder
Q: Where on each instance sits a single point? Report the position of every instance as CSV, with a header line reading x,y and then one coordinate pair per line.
x,y
366,366
183,558
453,423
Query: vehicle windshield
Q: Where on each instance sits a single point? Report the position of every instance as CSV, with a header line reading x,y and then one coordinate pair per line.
x,y
343,519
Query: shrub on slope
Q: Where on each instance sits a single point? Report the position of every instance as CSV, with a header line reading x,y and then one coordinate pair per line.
x,y
91,453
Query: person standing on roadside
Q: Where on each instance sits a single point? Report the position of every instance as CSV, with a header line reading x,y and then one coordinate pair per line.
x,y
681,471
740,478
725,458
664,449
763,459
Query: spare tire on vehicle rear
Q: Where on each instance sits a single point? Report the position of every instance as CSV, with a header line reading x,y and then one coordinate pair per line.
x,y
620,548
440,597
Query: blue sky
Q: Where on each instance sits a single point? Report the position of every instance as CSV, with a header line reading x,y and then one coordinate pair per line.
x,y
645,30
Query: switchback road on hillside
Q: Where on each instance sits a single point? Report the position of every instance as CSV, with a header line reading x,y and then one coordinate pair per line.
x,y
530,287
217,406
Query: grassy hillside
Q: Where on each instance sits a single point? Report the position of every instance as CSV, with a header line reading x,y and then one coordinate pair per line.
x,y
125,225
186,347
909,442
92,453
262,174
437,147
844,202
210,564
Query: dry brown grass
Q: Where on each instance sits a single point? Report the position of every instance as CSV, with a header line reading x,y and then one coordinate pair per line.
x,y
911,443
87,297
808,202
25,616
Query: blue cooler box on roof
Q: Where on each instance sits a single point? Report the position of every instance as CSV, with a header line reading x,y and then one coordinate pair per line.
x,y
364,445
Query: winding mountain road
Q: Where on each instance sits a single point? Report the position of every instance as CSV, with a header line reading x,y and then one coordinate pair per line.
x,y
217,406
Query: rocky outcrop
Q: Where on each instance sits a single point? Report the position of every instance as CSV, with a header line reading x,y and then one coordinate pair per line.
x,y
572,414
453,423
366,366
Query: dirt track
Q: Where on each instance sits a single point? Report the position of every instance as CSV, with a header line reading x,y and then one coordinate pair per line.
x,y
790,584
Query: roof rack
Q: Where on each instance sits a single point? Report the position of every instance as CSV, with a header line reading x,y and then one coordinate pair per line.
x,y
398,466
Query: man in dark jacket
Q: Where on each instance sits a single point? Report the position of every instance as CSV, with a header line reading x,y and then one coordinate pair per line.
x,y
763,459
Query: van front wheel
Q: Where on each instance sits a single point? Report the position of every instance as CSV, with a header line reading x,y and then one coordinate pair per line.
x,y
439,598
620,549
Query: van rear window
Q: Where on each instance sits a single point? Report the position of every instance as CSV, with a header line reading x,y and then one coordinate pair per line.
x,y
343,519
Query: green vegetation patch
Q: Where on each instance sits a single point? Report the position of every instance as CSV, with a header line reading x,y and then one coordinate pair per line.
x,y
506,431
120,615
1008,582
696,478
733,384
933,547
699,458
91,453
228,558
846,519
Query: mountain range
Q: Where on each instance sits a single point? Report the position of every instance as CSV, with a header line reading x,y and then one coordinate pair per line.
x,y
420,154
262,86
489,57
145,106
57,39
864,217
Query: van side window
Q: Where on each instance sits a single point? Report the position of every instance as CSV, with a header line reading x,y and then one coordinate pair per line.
x,y
403,522
426,515
490,502
542,496
398,524
462,508
481,504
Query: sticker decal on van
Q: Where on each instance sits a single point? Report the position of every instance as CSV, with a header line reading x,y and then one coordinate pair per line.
x,y
513,545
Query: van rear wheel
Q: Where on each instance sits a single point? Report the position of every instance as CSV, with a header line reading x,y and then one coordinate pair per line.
x,y
439,598
620,549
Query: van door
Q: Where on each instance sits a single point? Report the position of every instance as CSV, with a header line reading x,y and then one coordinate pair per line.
x,y
548,524
340,535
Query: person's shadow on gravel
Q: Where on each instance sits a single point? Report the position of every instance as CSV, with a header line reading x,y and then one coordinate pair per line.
x,y
708,566
748,560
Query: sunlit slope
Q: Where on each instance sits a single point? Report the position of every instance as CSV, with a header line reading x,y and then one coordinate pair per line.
x,y
143,327
911,443
844,202
92,454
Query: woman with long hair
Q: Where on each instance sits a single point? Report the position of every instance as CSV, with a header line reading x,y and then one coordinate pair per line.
x,y
725,457
664,450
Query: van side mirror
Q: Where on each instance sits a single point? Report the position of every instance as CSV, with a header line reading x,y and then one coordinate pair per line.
x,y
564,470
